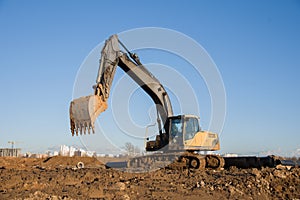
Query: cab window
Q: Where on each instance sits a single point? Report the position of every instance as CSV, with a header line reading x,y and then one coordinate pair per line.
x,y
176,128
191,128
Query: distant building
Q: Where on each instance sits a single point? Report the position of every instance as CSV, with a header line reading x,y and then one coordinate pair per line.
x,y
78,153
72,151
38,155
64,150
9,152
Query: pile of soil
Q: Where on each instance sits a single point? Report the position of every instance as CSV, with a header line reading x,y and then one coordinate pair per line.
x,y
60,161
19,163
56,178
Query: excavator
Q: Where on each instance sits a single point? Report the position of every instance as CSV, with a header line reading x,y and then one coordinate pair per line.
x,y
179,139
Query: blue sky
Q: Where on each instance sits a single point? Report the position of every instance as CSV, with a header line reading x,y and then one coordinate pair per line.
x,y
254,44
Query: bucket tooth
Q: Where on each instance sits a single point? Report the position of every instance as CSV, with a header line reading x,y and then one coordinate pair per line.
x,y
84,128
81,127
93,128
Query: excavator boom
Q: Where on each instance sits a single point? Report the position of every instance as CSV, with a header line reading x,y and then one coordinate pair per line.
x,y
85,110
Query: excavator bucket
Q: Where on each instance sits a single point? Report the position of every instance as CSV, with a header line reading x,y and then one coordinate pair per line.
x,y
83,113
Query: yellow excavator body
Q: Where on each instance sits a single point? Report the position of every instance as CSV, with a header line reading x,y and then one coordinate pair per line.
x,y
203,140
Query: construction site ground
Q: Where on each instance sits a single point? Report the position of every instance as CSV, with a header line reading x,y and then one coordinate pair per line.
x,y
58,178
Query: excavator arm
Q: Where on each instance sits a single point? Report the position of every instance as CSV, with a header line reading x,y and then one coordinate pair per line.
x,y
85,110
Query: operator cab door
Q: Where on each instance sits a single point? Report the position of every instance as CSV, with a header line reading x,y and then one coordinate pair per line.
x,y
176,133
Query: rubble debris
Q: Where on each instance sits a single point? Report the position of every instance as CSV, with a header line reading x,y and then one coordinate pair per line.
x,y
94,182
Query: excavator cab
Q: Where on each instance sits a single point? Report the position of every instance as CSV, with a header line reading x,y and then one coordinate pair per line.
x,y
184,134
182,129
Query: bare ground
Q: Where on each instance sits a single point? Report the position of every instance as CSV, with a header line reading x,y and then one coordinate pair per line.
x,y
57,178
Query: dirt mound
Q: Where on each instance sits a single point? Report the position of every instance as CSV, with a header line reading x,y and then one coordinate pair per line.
x,y
18,163
61,161
55,179
51,162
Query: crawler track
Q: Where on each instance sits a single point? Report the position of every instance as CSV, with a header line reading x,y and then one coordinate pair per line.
x,y
190,160
176,161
